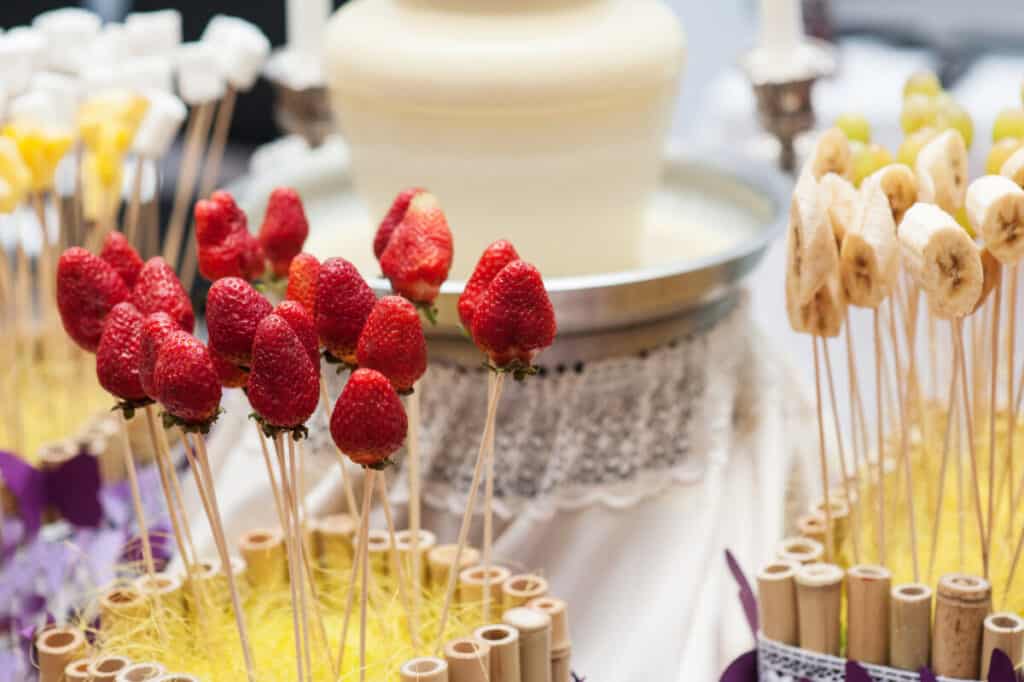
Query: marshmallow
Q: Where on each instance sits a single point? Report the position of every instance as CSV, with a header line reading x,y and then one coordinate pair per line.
x,y
241,49
70,32
4,96
144,73
160,126
100,77
22,52
111,46
154,33
42,108
199,75
64,90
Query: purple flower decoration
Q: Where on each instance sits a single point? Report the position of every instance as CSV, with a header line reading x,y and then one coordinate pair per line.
x,y
743,669
747,598
72,488
159,541
927,675
1000,668
855,672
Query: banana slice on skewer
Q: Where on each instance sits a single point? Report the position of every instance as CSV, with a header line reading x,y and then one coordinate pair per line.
x,y
899,184
992,272
1013,167
995,207
942,171
869,260
942,259
831,154
823,314
841,201
811,254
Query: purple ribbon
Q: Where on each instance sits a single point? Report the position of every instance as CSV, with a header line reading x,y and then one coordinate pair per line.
x,y
71,487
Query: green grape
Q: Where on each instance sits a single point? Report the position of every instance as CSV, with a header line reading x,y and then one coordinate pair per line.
x,y
867,158
922,83
912,145
1000,152
918,112
1009,123
855,126
952,115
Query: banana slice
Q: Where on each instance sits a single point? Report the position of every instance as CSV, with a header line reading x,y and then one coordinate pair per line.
x,y
995,207
841,201
942,171
869,261
1013,167
831,154
992,272
899,184
822,315
811,254
942,259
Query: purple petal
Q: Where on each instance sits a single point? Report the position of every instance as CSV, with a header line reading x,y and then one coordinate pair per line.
x,y
927,675
743,669
74,487
28,486
747,598
855,672
1001,668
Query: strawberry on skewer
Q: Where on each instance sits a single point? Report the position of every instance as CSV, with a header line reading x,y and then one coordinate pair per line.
x,y
119,358
392,343
87,289
303,274
121,256
395,214
283,383
157,288
343,302
494,259
225,246
284,229
234,309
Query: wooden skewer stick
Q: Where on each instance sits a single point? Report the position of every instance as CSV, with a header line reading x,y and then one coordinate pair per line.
x,y
857,426
880,430
847,489
133,482
364,531
195,134
961,507
299,542
467,516
488,514
346,484
413,475
992,408
830,546
357,562
396,562
131,226
1011,416
172,508
969,419
905,444
951,416
294,572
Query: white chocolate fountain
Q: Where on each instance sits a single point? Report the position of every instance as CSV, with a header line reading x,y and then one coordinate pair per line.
x,y
542,121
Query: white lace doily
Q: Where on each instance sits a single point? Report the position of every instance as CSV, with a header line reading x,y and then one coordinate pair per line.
x,y
780,663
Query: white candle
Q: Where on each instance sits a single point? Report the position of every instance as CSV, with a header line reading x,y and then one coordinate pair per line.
x,y
305,21
782,24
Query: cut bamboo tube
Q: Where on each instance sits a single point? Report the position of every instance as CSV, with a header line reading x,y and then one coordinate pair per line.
x,y
107,668
867,612
141,672
472,584
840,522
440,560
333,536
819,589
221,588
534,642
427,542
378,543
264,554
800,550
520,589
468,660
121,608
812,527
201,584
504,643
1003,631
427,669
163,594
78,671
561,643
57,647
910,626
776,595
962,603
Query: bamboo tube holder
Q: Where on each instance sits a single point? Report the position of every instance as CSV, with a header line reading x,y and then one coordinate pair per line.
x,y
504,643
378,544
162,592
121,608
561,643
332,538
776,595
468,660
56,648
427,669
471,587
801,550
427,542
141,672
867,613
1003,631
107,668
264,553
221,592
840,521
519,590
819,589
441,559
78,671
812,527
202,584
534,642
910,626
962,602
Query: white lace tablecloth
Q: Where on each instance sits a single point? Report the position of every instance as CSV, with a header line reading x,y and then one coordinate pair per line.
x,y
621,481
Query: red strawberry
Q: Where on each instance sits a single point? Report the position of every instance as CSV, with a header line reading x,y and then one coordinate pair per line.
x,y
392,343
87,289
391,220
252,259
419,253
514,319
343,302
301,322
368,422
155,330
120,353
118,252
226,249
218,217
284,386
495,257
302,276
233,311
186,381
284,229
159,289
230,374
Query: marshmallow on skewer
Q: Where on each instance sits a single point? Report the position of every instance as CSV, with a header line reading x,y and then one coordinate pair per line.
x,y
22,53
154,33
62,89
199,75
154,72
160,125
70,32
241,48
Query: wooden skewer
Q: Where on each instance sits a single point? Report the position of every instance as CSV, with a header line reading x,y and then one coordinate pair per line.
x,y
961,507
850,496
992,407
133,482
195,134
364,526
172,508
467,516
951,412
413,476
958,331
1011,416
299,543
294,572
346,484
880,430
488,514
396,562
830,547
857,425
905,445
357,562
131,227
